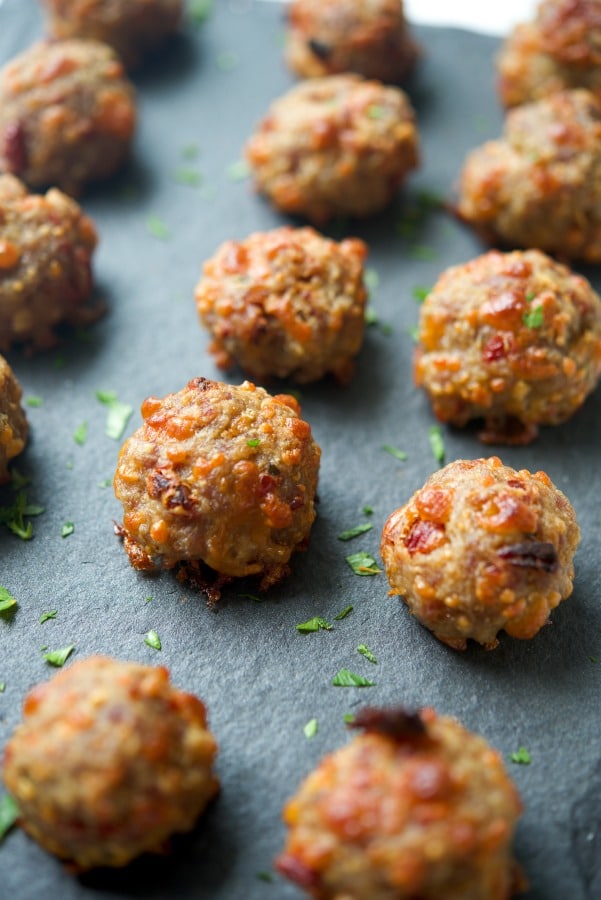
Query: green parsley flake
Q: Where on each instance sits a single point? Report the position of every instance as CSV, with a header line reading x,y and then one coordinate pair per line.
x,y
398,454
227,61
252,597
534,318
355,532
58,658
437,443
368,510
199,10
153,640
346,678
187,176
371,279
2,687
422,252
343,614
118,414
413,332
314,624
14,516
521,757
148,599
190,151
51,614
371,316
594,659
67,529
33,401
80,434
106,482
349,718
253,442
362,563
9,813
386,329
366,652
420,293
157,228
238,171
310,729
266,877
7,601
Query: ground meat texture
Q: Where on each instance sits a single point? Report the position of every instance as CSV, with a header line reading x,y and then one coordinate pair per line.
x,y
287,303
482,548
13,424
370,37
559,50
338,145
403,812
510,338
46,247
109,761
133,28
221,474
540,184
67,114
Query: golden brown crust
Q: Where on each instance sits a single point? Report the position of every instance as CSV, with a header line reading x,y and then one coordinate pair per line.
x,y
110,760
288,303
482,548
13,423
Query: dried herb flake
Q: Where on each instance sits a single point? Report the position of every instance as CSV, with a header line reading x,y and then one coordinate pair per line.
x,y
366,652
346,678
437,443
7,601
51,614
59,657
80,435
33,401
67,529
355,532
344,613
521,757
362,563
314,624
398,454
118,414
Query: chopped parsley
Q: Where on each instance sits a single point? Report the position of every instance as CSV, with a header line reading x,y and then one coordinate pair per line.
x,y
199,10
9,813
253,442
594,659
51,614
371,316
521,757
14,516
157,228
343,613
366,652
148,599
80,434
58,658
153,640
238,171
422,252
371,279
413,332
67,529
362,563
386,328
349,718
190,151
368,510
398,454
2,687
314,624
534,318
106,482
437,443
7,601
118,414
33,401
420,293
227,60
265,876
346,678
355,532
310,729
188,176
252,597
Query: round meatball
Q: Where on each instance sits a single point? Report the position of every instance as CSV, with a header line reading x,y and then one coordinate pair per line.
x,y
559,50
287,303
334,146
131,27
67,114
46,247
416,806
370,37
13,424
480,548
538,185
218,474
109,761
513,338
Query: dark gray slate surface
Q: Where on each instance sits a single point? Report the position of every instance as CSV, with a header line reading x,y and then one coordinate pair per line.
x,y
262,680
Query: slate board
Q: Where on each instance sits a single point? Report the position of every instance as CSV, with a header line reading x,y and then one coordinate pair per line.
x,y
261,679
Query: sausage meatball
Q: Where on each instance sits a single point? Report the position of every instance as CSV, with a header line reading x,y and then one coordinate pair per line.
x,y
559,50
333,146
370,37
513,338
218,474
131,27
416,806
539,186
287,302
13,423
67,114
109,761
46,247
482,548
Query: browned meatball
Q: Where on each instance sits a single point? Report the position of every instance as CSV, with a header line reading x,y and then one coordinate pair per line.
x,y
46,247
131,27
539,185
110,760
333,146
482,548
370,37
287,302
417,806
13,423
67,114
220,474
559,50
513,338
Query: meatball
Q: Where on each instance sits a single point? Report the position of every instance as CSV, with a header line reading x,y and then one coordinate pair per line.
x,y
67,114
559,50
416,806
370,37
288,303
538,185
334,146
13,424
513,338
109,761
219,474
131,27
46,247
480,548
